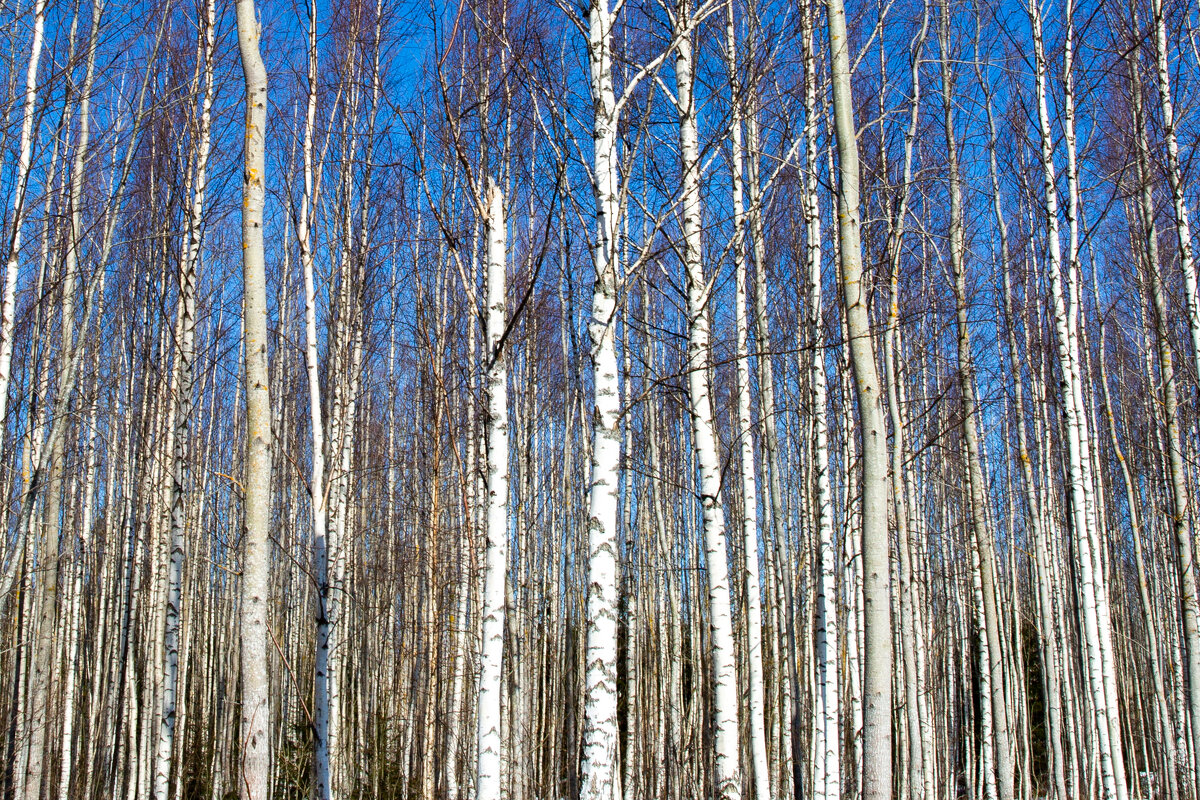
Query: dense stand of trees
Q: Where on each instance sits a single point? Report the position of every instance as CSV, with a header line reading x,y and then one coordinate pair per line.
x,y
609,399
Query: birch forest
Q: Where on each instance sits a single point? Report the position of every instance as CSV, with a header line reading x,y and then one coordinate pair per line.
x,y
599,400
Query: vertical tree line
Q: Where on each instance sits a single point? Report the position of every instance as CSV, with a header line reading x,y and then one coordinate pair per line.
x,y
612,400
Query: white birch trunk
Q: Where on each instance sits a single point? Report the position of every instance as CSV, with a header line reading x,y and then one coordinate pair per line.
x,y
72,258
188,280
976,489
987,725
877,679
75,608
1076,435
1177,474
828,647
749,488
254,773
488,778
318,491
8,309
1183,231
725,680
601,734
910,639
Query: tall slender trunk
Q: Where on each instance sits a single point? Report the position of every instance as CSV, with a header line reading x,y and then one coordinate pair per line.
x,y
601,778
1090,578
318,489
911,639
75,235
488,777
877,617
976,489
21,183
1177,473
1042,566
749,487
704,436
254,775
185,382
1183,236
828,725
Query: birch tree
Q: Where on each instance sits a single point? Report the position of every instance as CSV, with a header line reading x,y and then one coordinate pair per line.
x,y
877,683
189,263
983,541
24,164
728,768
600,775
535,546
488,713
758,736
1077,431
254,771
828,727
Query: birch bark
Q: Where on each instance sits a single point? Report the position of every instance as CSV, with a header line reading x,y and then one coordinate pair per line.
x,y
749,488
72,614
1177,473
318,490
725,684
877,618
828,647
1179,206
8,309
1076,435
601,735
911,639
976,487
186,337
488,780
255,766
1045,608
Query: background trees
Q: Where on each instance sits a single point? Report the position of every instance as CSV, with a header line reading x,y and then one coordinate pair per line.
x,y
595,404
